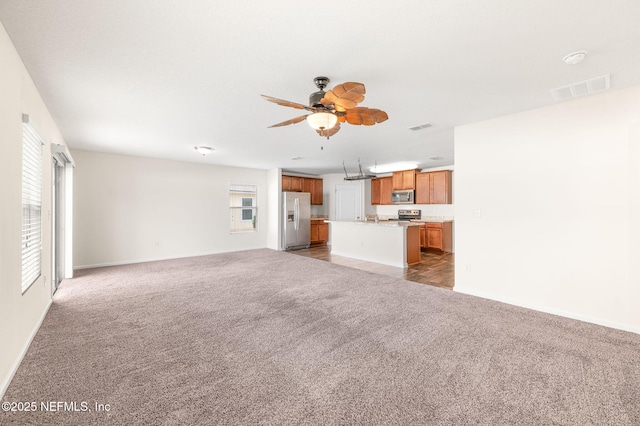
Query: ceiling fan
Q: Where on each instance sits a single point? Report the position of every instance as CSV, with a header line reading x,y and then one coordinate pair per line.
x,y
329,109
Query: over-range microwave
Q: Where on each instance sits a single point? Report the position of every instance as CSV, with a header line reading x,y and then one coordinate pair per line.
x,y
402,197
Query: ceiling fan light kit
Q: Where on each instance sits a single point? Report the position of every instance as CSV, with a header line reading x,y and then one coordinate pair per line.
x,y
322,120
329,109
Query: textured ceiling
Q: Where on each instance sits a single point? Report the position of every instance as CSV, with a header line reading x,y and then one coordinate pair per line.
x,y
155,78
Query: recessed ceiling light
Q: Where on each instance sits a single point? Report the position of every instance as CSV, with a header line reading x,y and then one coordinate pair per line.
x,y
575,57
393,167
203,150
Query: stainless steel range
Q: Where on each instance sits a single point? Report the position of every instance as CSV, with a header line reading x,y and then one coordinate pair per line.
x,y
409,214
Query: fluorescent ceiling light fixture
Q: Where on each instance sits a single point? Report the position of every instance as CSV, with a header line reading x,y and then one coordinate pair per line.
x,y
203,150
322,120
393,167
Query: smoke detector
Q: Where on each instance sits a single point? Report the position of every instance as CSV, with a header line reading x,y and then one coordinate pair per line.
x,y
575,57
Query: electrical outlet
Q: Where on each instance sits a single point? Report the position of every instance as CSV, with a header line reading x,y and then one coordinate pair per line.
x,y
476,213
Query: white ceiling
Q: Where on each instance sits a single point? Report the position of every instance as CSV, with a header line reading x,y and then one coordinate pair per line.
x,y
155,78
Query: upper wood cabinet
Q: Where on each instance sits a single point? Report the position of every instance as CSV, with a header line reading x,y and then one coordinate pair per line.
x,y
314,187
375,192
433,187
386,186
381,190
286,183
440,187
405,179
297,184
422,188
302,184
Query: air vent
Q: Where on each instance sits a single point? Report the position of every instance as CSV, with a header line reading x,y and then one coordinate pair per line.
x,y
581,88
420,126
436,158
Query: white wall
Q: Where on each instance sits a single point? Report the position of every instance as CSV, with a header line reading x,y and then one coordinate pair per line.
x,y
20,314
274,196
134,209
557,192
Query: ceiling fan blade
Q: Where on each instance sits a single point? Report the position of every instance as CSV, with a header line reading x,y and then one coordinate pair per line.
x,y
292,121
345,96
288,103
365,116
327,133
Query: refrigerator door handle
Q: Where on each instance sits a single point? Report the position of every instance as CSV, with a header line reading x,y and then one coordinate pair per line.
x,y
296,214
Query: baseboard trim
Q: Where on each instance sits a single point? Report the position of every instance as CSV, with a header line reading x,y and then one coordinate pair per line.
x,y
14,368
559,312
158,259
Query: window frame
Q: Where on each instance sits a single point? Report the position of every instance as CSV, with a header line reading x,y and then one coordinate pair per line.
x,y
31,192
237,190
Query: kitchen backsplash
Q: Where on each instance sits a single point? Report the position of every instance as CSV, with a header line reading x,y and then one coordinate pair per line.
x,y
427,210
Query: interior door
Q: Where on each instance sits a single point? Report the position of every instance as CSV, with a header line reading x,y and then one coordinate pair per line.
x,y
348,202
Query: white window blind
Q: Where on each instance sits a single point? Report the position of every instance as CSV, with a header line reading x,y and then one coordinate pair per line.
x,y
31,204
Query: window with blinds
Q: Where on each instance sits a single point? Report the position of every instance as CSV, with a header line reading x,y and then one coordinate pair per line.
x,y
244,208
31,204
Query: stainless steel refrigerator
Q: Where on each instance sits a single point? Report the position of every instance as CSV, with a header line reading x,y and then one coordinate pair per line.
x,y
296,226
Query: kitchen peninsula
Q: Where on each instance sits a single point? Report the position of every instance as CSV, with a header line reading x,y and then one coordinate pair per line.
x,y
389,243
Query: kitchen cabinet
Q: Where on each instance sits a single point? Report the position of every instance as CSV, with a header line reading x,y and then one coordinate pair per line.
x,y
297,184
423,235
433,187
405,179
375,192
323,232
314,186
388,244
413,245
381,190
286,183
292,183
319,231
438,235
386,186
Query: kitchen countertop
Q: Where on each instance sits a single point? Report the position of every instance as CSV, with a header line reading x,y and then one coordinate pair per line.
x,y
380,223
434,219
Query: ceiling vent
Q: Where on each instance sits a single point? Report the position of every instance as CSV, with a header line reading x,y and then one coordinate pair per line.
x,y
581,88
420,126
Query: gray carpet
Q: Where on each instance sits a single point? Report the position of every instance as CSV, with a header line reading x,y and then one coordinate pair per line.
x,y
264,337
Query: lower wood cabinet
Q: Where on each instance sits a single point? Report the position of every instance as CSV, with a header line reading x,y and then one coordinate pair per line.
x,y
319,231
413,245
437,235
